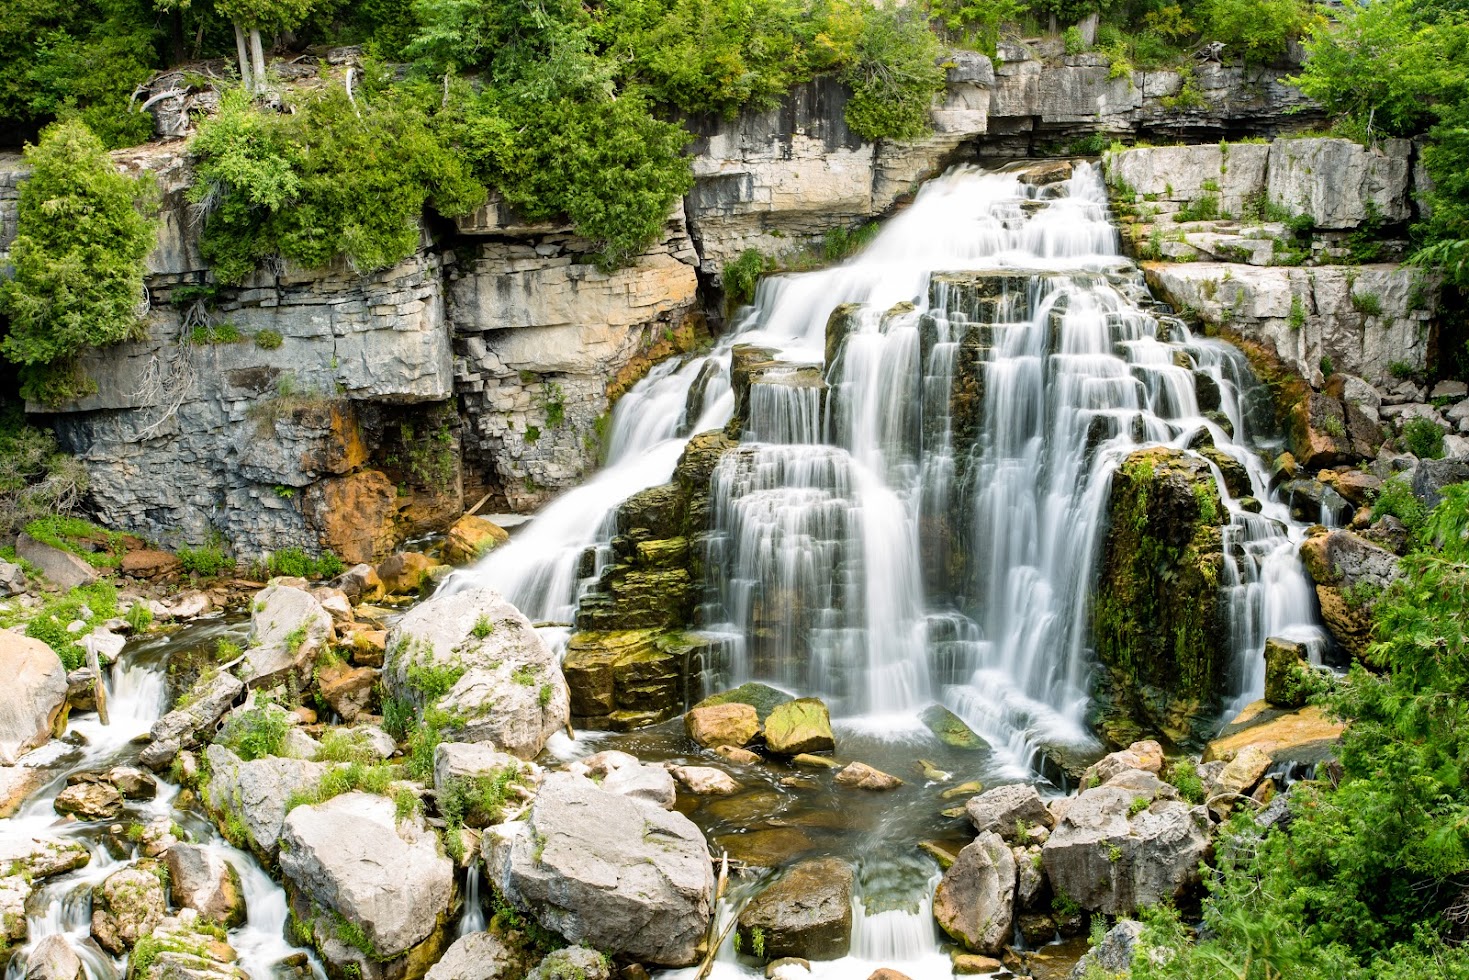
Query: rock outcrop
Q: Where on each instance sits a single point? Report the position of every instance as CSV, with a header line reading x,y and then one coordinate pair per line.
x,y
1157,621
199,878
613,872
1350,574
975,901
127,906
248,799
207,701
806,913
288,628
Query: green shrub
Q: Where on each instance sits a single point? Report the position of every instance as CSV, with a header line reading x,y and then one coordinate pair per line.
x,y
78,257
207,561
1423,438
742,276
1257,30
296,563
894,76
89,604
268,339
1396,498
256,732
36,478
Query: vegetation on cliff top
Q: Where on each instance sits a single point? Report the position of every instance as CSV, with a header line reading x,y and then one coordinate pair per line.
x,y
1371,877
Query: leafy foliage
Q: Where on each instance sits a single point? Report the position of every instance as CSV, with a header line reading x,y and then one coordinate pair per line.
x,y
1370,878
78,261
36,478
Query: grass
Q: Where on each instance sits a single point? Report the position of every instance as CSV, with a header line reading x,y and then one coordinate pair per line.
x,y
373,778
1423,438
256,732
95,545
296,563
89,604
206,562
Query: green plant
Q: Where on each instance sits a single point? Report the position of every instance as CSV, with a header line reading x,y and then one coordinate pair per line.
x,y
95,545
1369,304
1297,313
296,563
1138,805
483,627
268,339
742,276
78,259
1401,370
1327,365
256,732
139,616
36,479
1396,498
90,604
553,403
1205,207
207,561
1423,438
1185,778
1073,41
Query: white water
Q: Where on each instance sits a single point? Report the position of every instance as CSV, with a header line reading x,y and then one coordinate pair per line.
x,y
137,696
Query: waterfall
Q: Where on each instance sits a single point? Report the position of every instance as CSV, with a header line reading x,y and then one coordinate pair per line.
x,y
473,917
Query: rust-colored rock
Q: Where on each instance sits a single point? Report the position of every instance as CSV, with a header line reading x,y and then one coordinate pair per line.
x,y
470,537
356,515
150,564
347,689
722,724
405,573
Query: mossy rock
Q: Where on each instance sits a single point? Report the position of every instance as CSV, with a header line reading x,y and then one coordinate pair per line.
x,y
951,730
762,697
799,726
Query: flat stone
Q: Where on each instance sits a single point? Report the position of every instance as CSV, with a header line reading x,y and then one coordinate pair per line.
x,y
62,569
859,775
713,725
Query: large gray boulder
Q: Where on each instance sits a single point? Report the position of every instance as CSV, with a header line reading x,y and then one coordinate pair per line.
x,y
252,796
199,878
288,628
610,871
1003,809
1112,957
35,694
807,913
353,857
479,956
126,907
509,691
62,569
54,959
624,774
975,901
208,700
1109,861
12,579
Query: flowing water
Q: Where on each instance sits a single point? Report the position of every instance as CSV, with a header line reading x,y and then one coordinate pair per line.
x,y
919,520
137,696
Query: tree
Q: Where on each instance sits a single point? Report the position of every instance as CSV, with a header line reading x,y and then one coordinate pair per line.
x,y
78,261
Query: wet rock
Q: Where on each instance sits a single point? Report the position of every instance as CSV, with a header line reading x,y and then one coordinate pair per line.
x,y
762,697
360,583
1304,735
89,801
479,956
1286,667
613,872
126,907
35,695
798,727
859,775
887,974
133,783
807,913
1003,809
62,569
975,901
705,780
17,783
973,964
624,679
572,963
722,724
252,796
288,628
470,538
182,728
406,573
1030,877
1109,861
509,688
623,774
742,757
199,878
54,959
352,856
37,858
348,690
1163,652
951,729
1113,955
815,761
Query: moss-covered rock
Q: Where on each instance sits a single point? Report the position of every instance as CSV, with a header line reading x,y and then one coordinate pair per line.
x,y
1157,622
803,725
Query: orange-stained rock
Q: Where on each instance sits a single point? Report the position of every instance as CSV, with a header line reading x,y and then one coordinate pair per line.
x,y
470,537
149,564
1302,735
406,572
355,515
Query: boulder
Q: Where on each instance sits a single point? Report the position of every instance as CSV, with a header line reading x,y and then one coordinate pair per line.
x,y
722,724
479,956
1350,573
859,775
62,569
12,579
37,858
1003,809
620,773
507,686
470,538
742,757
150,564
54,959
199,878
572,963
348,690
133,783
353,857
35,694
1241,773
186,949
1304,735
1107,861
975,901
252,796
207,701
17,783
1113,955
360,583
610,871
1146,755
951,729
798,727
89,801
705,780
406,573
288,628
762,697
126,907
806,913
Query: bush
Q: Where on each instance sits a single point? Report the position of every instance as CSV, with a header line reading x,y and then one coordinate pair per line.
x,y
91,604
295,563
894,76
1395,498
78,261
1257,30
256,732
742,276
268,339
36,479
207,562
1423,438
